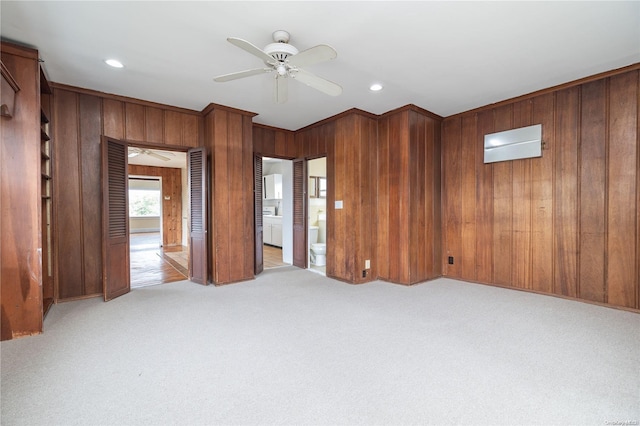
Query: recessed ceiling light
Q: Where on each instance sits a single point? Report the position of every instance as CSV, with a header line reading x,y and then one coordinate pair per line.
x,y
375,87
114,63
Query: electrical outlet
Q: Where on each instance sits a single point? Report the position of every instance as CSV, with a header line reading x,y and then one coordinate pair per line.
x,y
450,260
367,264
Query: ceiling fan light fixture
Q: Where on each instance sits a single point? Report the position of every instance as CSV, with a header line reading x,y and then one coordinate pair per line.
x,y
376,87
114,63
282,70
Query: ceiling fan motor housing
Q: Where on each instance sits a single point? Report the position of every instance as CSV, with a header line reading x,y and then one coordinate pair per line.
x,y
280,51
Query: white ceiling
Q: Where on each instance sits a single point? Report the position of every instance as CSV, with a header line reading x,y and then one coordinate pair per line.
x,y
175,159
446,57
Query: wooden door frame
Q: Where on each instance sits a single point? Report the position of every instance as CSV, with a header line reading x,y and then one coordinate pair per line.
x,y
159,147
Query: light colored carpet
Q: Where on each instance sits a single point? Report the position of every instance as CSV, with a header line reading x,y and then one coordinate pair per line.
x,y
293,347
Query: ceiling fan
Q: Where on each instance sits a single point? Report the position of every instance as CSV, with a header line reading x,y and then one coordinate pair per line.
x,y
134,152
287,62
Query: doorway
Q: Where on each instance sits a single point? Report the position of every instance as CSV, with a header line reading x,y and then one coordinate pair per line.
x,y
158,212
277,212
317,214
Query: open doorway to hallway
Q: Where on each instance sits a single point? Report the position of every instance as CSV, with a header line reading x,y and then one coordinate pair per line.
x,y
158,212
277,212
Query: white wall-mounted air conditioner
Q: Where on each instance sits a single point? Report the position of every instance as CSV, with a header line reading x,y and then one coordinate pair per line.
x,y
525,142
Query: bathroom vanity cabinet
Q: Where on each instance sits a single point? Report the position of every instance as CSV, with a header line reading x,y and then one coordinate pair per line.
x,y
272,230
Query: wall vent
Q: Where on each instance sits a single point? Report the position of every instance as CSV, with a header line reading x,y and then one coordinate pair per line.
x,y
525,142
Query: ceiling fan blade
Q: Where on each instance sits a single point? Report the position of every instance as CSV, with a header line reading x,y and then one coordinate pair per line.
x,y
313,55
318,83
158,156
281,91
256,51
134,152
241,74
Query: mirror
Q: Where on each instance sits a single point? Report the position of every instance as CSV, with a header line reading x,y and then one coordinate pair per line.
x,y
312,188
317,187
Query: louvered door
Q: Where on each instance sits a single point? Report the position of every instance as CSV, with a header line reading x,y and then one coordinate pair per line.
x,y
257,209
115,225
300,251
197,172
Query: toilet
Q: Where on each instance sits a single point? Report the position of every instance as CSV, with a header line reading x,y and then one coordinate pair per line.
x,y
317,250
319,254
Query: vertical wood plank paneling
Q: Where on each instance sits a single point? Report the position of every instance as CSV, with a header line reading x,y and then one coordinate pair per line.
x,y
435,197
566,192
399,201
382,243
20,217
248,234
593,167
212,243
349,136
408,197
622,213
336,180
468,153
502,205
280,143
134,122
154,125
521,221
68,239
370,150
403,201
452,206
172,128
222,218
484,201
190,131
113,118
417,171
235,248
268,143
542,179
257,139
90,128
575,208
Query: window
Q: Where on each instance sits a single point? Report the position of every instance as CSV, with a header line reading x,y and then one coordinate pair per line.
x,y
144,198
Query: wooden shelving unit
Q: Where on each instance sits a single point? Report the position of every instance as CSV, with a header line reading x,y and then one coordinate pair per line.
x,y
46,171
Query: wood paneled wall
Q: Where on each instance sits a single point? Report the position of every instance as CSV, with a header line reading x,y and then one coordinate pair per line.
x,y
171,208
80,117
566,223
351,177
274,142
20,202
348,141
408,208
228,137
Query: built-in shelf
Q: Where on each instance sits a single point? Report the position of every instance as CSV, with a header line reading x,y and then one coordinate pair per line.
x,y
44,136
44,156
45,176
43,117
8,92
